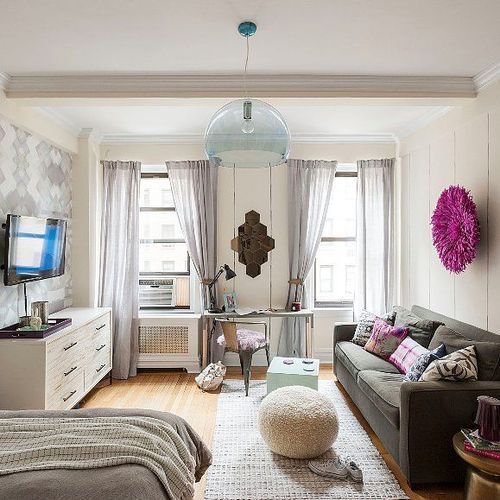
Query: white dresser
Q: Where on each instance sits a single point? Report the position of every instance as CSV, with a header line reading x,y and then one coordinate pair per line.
x,y
55,373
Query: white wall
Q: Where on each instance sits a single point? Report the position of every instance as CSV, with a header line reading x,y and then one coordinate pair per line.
x,y
252,193
461,148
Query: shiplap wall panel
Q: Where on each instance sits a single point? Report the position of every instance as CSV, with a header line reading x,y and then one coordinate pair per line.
x,y
405,233
419,227
441,175
494,223
471,171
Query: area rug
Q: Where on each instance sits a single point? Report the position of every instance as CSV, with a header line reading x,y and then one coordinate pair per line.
x,y
245,469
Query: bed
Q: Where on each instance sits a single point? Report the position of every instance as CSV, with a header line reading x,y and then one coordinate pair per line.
x,y
117,482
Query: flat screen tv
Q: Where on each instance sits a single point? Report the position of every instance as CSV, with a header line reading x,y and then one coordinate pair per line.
x,y
34,249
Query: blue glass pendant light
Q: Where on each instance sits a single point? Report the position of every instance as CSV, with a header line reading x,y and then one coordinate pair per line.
x,y
247,133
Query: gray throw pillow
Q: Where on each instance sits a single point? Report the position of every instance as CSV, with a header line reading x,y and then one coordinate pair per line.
x,y
421,330
488,353
365,326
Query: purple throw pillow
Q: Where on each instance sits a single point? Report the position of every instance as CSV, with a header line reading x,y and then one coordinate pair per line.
x,y
385,339
406,354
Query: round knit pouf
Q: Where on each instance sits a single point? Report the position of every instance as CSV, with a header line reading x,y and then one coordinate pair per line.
x,y
298,422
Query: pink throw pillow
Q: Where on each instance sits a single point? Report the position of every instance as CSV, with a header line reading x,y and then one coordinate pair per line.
x,y
406,354
385,338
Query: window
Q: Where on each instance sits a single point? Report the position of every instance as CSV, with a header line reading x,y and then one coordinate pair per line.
x,y
162,247
335,266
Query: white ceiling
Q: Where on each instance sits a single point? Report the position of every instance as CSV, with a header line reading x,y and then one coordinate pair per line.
x,y
190,117
343,37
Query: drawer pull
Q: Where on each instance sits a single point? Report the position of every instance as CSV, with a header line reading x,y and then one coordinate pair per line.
x,y
72,393
100,327
102,346
72,370
70,346
100,368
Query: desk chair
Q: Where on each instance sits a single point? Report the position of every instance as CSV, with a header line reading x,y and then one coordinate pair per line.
x,y
245,342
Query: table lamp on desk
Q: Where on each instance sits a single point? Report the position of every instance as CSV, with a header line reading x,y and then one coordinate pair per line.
x,y
230,274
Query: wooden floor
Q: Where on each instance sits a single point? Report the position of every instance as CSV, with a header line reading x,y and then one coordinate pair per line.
x,y
177,392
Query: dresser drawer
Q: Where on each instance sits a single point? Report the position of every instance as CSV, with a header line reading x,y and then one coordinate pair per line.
x,y
64,372
97,367
68,347
68,393
99,326
100,341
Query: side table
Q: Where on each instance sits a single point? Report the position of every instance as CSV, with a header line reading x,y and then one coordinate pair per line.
x,y
483,474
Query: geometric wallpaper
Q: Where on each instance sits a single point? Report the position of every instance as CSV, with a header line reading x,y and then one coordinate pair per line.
x,y
35,179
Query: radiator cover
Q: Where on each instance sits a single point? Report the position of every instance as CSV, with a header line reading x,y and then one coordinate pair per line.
x,y
163,339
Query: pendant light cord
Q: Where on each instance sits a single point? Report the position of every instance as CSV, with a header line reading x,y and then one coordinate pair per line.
x,y
272,236
246,66
234,223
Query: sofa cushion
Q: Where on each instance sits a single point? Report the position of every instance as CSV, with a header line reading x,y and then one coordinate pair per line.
x,y
421,330
365,324
355,358
383,390
488,353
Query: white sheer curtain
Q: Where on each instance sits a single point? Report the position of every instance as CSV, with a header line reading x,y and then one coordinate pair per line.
x,y
119,276
309,189
375,237
194,187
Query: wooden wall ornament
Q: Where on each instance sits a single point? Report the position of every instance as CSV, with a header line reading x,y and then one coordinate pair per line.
x,y
252,244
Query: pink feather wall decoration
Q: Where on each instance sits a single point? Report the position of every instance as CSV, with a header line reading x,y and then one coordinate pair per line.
x,y
455,228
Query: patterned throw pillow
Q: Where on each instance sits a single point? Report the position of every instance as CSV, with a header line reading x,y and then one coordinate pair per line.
x,y
459,365
385,338
406,354
365,326
416,369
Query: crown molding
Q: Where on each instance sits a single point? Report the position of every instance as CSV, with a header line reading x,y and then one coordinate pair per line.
x,y
60,120
117,139
231,85
422,121
486,77
4,81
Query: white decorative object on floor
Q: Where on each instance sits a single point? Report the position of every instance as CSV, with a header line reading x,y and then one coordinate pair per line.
x,y
284,372
211,377
300,412
249,470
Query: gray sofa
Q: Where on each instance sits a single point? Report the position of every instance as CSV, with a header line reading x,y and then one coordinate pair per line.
x,y
414,420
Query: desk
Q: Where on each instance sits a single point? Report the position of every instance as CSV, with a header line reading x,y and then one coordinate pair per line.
x,y
277,313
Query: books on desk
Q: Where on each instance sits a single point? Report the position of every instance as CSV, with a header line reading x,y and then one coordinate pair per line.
x,y
244,311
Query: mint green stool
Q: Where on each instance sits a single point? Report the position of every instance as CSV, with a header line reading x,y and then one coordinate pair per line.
x,y
280,374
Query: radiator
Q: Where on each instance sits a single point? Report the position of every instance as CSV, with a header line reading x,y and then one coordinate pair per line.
x,y
163,339
169,342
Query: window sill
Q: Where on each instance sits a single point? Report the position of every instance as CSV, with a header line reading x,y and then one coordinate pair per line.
x,y
151,314
333,311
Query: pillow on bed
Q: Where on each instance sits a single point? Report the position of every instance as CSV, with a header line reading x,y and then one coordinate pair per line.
x,y
406,354
385,339
364,327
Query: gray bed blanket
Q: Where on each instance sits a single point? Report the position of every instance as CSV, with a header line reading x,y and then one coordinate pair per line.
x,y
138,454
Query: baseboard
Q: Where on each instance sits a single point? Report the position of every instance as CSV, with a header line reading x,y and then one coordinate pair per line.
x,y
259,359
191,364
324,355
